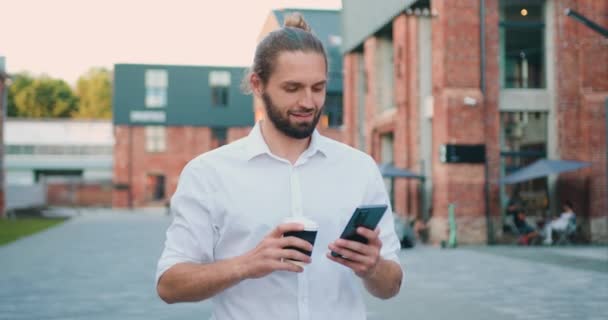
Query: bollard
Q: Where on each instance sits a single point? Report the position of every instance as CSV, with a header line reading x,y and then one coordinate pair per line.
x,y
452,240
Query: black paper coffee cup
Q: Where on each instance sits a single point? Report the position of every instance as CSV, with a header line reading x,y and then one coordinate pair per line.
x,y
309,234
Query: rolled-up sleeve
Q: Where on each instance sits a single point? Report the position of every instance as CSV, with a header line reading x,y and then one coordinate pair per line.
x,y
190,237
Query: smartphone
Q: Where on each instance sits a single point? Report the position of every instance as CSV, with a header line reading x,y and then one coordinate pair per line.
x,y
364,216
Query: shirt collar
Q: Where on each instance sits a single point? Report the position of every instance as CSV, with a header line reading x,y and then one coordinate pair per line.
x,y
256,145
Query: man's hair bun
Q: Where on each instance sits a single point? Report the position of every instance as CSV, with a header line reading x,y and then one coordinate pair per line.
x,y
295,20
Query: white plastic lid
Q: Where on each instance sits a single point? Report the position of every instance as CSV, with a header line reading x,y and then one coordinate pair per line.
x,y
309,224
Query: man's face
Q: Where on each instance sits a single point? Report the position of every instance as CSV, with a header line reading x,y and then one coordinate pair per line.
x,y
295,93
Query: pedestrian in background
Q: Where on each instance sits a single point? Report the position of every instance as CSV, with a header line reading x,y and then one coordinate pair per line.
x,y
565,219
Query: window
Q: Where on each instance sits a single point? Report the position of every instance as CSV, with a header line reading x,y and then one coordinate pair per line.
x,y
522,43
155,139
58,150
385,69
156,88
386,156
333,110
155,187
219,82
219,136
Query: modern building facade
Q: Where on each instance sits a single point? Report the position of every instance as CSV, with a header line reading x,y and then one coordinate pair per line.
x,y
70,160
38,149
164,116
325,24
465,92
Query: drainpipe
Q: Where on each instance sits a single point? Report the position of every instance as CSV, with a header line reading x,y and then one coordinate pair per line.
x,y
482,86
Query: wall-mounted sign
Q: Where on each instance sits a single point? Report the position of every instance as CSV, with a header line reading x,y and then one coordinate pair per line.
x,y
462,153
148,116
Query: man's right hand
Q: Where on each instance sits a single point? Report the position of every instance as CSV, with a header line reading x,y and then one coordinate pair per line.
x,y
270,254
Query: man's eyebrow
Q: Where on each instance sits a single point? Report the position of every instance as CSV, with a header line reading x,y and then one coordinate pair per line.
x,y
291,83
296,83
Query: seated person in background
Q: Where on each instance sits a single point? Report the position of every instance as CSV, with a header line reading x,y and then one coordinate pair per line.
x,y
527,232
421,229
561,223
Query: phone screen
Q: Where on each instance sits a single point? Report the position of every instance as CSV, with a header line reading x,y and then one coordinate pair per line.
x,y
364,216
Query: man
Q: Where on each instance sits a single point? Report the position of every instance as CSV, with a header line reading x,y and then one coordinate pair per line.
x,y
566,219
226,241
527,232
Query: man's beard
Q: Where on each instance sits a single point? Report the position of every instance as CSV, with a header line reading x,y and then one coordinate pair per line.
x,y
301,130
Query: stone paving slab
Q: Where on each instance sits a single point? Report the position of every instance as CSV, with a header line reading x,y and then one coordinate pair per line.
x,y
101,264
510,287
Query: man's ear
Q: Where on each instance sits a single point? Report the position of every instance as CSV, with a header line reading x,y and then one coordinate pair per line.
x,y
257,87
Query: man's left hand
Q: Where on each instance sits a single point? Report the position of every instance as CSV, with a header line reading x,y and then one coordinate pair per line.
x,y
361,258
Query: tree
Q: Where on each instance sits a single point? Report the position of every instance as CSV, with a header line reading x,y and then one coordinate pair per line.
x,y
94,91
45,97
18,83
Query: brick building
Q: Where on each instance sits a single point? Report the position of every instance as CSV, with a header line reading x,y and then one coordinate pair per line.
x,y
165,116
325,24
518,78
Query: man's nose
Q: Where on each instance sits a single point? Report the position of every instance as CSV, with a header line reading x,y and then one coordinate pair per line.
x,y
306,100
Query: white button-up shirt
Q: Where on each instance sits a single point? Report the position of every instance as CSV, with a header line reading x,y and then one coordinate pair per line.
x,y
229,199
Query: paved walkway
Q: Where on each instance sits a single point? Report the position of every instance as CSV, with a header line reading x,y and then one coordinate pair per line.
x,y
101,266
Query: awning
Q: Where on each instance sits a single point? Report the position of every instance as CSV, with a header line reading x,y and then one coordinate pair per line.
x,y
543,168
389,171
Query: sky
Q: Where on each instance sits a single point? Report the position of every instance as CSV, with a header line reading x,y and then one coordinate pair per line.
x,y
64,38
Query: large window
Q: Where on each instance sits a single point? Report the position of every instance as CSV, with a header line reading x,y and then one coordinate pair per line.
x,y
155,139
156,88
333,110
523,141
219,82
385,73
522,43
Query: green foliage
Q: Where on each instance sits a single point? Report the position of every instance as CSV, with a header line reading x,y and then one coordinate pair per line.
x,y
19,82
94,91
45,97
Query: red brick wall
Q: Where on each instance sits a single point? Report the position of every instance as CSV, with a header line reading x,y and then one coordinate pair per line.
x,y
406,122
456,75
183,144
491,113
581,70
350,101
237,133
582,89
369,56
78,194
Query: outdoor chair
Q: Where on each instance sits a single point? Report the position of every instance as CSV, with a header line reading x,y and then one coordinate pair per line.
x,y
566,236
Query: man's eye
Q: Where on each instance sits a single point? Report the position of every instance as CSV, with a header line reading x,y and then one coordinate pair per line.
x,y
318,89
291,88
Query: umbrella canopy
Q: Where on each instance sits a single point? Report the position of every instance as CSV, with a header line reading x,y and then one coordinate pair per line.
x,y
389,171
542,168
